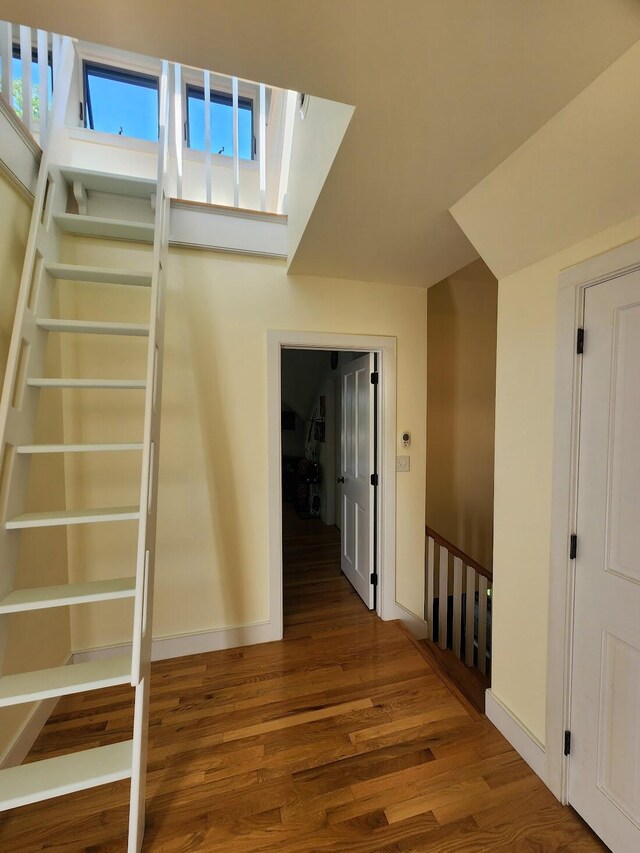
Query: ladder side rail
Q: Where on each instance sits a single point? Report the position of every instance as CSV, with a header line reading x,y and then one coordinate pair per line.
x,y
18,403
143,608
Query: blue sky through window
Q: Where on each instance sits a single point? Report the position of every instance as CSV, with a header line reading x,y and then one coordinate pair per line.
x,y
16,73
121,102
221,109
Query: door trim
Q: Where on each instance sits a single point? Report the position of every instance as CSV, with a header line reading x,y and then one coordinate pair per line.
x,y
572,284
385,347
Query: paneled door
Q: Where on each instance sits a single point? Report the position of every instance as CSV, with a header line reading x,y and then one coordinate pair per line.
x,y
604,765
358,464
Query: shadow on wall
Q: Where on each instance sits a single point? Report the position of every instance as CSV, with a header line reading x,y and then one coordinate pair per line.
x,y
220,457
461,371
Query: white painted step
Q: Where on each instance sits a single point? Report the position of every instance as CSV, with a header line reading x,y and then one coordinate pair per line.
x,y
77,448
99,275
98,226
90,327
73,516
40,598
88,383
106,182
65,774
64,680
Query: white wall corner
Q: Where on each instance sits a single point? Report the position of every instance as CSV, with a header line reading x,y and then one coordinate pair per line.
x,y
415,624
514,730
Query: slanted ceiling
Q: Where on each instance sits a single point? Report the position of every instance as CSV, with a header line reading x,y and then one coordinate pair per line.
x,y
444,91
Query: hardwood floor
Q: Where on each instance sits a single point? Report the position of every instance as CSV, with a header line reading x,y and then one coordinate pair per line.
x,y
339,738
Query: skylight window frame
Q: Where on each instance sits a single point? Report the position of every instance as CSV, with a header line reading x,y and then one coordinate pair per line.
x,y
123,72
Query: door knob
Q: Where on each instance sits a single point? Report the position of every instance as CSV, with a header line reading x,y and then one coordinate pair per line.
x,y
340,480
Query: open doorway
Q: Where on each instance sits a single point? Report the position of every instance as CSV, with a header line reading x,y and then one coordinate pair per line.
x,y
329,437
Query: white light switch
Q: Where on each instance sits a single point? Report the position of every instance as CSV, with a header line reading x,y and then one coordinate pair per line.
x,y
403,463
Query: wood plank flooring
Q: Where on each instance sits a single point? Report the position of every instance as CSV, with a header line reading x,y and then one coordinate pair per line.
x,y
339,738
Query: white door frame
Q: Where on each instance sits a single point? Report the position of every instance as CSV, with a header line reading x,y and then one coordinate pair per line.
x,y
570,310
385,347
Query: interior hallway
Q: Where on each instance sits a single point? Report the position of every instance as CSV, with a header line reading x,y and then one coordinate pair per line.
x,y
340,737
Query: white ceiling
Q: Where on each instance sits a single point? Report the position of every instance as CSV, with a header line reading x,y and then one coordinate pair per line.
x,y
444,91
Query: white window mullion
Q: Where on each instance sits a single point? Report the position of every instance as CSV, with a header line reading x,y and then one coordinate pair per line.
x,y
25,66
262,146
6,54
43,85
207,136
236,152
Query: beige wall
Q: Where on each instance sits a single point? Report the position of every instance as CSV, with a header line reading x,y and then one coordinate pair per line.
x,y
212,569
525,388
40,639
461,361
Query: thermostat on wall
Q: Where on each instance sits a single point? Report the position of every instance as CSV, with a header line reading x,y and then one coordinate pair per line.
x,y
406,439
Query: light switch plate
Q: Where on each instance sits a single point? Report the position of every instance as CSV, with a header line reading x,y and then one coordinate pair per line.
x,y
403,463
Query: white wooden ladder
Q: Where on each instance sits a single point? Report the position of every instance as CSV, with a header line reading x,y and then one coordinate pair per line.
x,y
53,215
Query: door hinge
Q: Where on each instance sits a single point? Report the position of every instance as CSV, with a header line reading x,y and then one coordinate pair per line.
x,y
374,579
374,479
567,743
374,378
580,341
573,546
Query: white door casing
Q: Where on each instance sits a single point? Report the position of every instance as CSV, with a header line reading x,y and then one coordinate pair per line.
x,y
358,464
604,765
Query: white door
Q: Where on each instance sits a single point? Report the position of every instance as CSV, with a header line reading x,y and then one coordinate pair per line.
x,y
604,769
357,454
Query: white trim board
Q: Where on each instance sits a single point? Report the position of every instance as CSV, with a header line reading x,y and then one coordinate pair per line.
x,y
385,347
572,284
164,648
514,730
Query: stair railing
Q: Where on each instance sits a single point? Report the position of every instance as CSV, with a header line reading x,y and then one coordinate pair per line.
x,y
458,602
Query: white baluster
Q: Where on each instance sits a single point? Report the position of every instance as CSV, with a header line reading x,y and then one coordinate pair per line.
x,y
431,571
469,608
6,53
457,605
443,593
43,85
55,53
207,136
262,146
236,152
482,624
178,126
25,66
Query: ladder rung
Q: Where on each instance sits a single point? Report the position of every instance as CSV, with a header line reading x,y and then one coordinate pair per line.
x,y
94,328
76,448
98,226
98,275
75,516
40,598
64,774
125,384
64,680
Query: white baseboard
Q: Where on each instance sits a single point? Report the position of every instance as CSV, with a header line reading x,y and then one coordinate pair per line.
x,y
415,624
164,648
518,735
